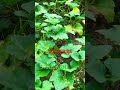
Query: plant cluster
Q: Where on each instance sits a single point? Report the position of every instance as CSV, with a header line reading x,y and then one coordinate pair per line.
x,y
58,26
16,45
102,69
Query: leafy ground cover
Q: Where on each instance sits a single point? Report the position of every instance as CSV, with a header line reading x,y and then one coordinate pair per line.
x,y
103,44
16,45
58,26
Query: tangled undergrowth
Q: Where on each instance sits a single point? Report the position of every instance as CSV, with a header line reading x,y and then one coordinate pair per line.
x,y
58,26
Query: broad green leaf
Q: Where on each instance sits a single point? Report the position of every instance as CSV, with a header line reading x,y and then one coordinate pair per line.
x,y
21,46
53,18
69,29
78,28
81,40
75,9
112,34
62,36
64,66
52,4
98,52
59,36
29,6
37,83
113,64
59,81
45,45
90,15
20,13
74,64
75,56
93,85
45,61
71,3
106,7
12,79
96,69
40,10
64,55
47,85
72,47
70,79
42,73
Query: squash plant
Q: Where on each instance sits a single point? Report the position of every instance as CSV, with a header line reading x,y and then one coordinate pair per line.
x,y
16,45
58,26
102,46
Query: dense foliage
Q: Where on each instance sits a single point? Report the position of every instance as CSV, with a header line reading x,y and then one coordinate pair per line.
x,y
16,45
103,44
58,26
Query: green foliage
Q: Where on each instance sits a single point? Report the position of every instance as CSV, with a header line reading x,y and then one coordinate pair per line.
x,y
54,21
112,34
105,7
103,59
16,45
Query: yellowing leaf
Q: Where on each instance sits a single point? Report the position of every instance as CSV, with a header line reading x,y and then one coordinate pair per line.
x,y
78,28
75,9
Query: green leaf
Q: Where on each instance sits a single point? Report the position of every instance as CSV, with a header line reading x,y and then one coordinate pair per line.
x,y
21,46
74,64
42,73
12,79
64,67
45,61
82,55
97,70
106,7
98,52
112,34
29,6
37,84
20,13
40,10
69,29
90,15
113,64
75,56
93,85
47,85
64,55
3,54
70,79
58,36
78,28
53,18
71,4
81,40
72,47
52,4
58,80
44,45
